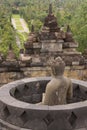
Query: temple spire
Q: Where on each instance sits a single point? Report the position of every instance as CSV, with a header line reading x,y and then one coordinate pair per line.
x,y
50,8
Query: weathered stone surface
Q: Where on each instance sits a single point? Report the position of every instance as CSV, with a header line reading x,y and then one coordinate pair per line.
x,y
81,129
75,63
78,67
54,47
17,115
69,37
6,126
11,55
70,44
77,72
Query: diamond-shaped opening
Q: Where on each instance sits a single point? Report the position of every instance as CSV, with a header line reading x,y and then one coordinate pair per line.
x,y
24,117
77,92
6,111
77,88
26,87
85,95
85,92
48,119
72,119
12,92
17,93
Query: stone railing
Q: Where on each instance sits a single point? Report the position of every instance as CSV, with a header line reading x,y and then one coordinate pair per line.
x,y
19,111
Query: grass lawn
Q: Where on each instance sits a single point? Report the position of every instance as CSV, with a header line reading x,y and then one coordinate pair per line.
x,y
15,16
22,35
17,21
19,27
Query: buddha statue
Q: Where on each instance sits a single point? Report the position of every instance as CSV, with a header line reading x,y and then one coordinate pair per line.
x,y
59,89
69,37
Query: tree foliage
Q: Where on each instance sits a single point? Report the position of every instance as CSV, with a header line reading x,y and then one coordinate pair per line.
x,y
7,33
76,16
72,12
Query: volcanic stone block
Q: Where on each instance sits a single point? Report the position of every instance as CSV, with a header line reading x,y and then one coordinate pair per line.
x,y
72,119
81,129
75,63
6,112
36,124
42,117
52,47
48,119
24,117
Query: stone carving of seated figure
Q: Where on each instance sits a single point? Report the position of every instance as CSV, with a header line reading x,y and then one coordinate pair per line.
x,y
59,89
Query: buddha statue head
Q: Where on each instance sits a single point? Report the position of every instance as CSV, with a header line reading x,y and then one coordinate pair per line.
x,y
57,66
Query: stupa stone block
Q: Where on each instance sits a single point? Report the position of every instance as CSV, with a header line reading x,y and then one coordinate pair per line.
x,y
75,63
70,44
52,47
52,39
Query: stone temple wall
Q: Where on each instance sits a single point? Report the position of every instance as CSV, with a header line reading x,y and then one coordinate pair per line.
x,y
75,72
